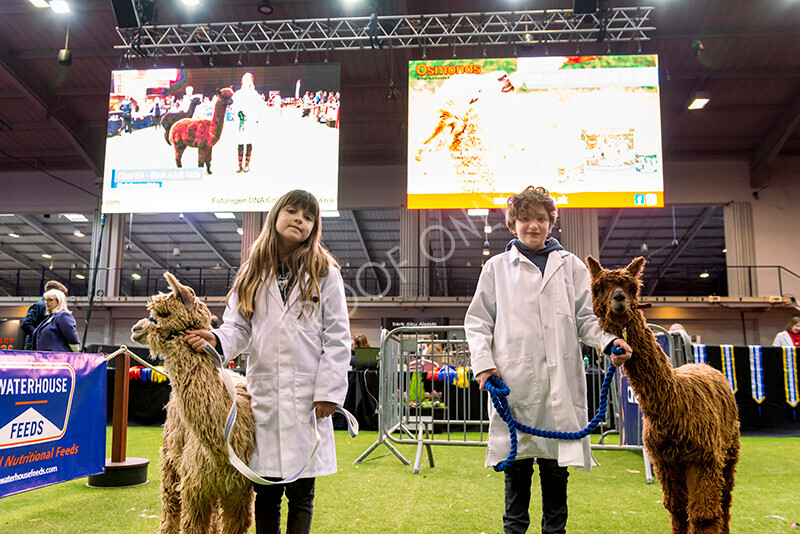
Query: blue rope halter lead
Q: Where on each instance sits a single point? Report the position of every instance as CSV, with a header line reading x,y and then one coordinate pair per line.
x,y
499,392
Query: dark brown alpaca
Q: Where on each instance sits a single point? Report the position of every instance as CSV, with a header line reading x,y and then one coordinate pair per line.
x,y
202,134
171,118
690,418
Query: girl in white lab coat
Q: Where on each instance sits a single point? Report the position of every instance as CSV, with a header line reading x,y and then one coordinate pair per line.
x,y
287,308
531,308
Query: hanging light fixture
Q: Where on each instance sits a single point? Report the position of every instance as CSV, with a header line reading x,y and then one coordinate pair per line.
x,y
486,250
704,274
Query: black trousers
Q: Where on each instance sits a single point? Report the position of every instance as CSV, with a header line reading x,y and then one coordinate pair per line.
x,y
553,480
300,495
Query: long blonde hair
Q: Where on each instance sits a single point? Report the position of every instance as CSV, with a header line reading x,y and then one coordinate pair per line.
x,y
309,257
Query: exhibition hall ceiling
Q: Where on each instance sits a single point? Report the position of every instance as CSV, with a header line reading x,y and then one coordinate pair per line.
x,y
54,119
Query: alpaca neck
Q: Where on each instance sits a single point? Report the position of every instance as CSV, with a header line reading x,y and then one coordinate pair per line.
x,y
649,370
218,121
197,385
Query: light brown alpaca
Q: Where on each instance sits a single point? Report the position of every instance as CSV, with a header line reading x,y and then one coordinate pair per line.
x,y
690,418
196,476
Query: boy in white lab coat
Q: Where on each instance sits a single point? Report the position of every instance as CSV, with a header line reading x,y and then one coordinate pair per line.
x,y
531,309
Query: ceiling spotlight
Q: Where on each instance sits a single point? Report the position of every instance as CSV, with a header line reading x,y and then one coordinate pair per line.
x,y
477,212
80,276
180,215
487,228
724,250
704,274
266,7
176,251
699,100
644,248
240,230
47,256
40,3
59,6
78,233
14,235
136,276
191,3
393,94
486,251
224,215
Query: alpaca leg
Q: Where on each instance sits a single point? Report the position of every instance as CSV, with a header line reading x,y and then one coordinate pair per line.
x,y
237,510
727,488
704,485
207,158
196,510
673,487
170,496
179,149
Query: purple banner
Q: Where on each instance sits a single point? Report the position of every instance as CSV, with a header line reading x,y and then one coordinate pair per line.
x,y
52,418
630,432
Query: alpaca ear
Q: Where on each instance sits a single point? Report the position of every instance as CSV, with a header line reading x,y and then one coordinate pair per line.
x,y
636,267
185,294
594,267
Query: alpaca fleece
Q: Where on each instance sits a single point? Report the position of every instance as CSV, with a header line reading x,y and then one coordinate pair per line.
x,y
690,418
200,490
202,134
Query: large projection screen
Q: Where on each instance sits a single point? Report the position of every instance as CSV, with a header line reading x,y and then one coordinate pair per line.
x,y
588,128
285,117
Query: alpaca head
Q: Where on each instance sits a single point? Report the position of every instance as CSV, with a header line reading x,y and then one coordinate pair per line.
x,y
226,96
170,315
615,293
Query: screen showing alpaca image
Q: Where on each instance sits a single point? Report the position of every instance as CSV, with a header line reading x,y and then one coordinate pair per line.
x,y
221,139
588,128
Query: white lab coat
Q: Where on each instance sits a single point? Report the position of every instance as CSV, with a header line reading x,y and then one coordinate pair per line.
x,y
783,339
293,362
527,327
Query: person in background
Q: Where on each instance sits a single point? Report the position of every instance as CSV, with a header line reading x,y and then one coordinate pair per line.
x,y
246,109
57,333
790,336
357,341
531,310
288,308
37,313
215,321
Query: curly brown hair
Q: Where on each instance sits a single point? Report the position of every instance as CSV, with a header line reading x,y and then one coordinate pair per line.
x,y
521,204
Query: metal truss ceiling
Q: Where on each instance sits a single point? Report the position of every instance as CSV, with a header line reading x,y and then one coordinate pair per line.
x,y
548,26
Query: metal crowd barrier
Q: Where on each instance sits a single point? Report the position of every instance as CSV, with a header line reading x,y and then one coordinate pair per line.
x,y
460,416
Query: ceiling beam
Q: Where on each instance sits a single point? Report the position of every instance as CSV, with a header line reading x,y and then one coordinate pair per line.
x,y
11,68
207,239
609,230
49,234
148,253
19,258
746,31
685,239
733,74
770,147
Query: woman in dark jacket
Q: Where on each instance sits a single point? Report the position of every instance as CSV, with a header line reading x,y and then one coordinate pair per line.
x,y
57,332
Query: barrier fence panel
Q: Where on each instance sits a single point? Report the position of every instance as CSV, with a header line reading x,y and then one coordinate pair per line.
x,y
427,395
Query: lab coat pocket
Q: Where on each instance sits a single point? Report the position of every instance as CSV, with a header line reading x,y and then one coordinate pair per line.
x,y
520,378
304,396
308,315
262,396
567,336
